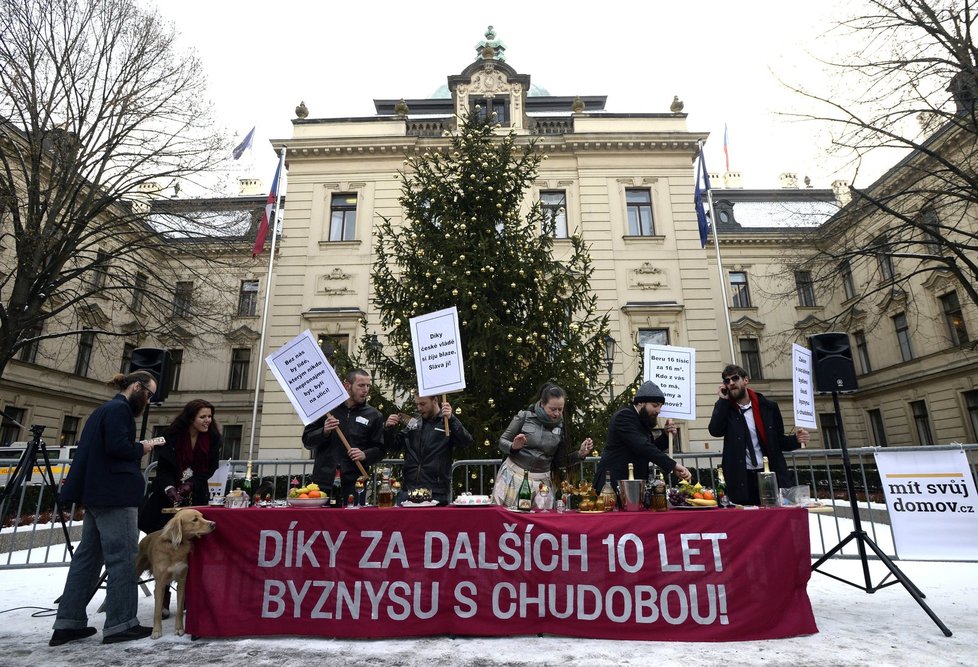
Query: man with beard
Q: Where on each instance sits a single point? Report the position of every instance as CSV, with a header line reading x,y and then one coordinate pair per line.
x,y
630,440
428,449
752,428
363,427
105,477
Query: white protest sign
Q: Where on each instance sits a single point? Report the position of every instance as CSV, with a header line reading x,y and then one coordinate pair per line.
x,y
438,352
801,380
307,378
932,504
674,370
218,481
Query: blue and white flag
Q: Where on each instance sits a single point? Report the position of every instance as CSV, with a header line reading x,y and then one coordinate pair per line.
x,y
244,145
702,187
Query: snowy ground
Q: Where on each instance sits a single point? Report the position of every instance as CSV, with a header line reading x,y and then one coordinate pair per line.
x,y
855,628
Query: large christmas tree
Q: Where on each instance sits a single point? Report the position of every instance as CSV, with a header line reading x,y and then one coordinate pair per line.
x,y
525,316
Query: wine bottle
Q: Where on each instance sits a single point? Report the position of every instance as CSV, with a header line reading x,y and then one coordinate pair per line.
x,y
767,486
721,493
246,483
608,493
631,472
336,493
524,498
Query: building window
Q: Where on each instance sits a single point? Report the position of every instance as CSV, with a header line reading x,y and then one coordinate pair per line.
x,y
85,344
69,431
240,361
954,318
127,350
343,217
139,292
971,403
488,106
876,425
28,353
231,449
183,297
806,289
652,337
171,374
639,204
248,298
922,421
99,271
739,289
903,336
750,358
554,203
848,285
931,231
862,352
830,431
9,431
883,258
331,343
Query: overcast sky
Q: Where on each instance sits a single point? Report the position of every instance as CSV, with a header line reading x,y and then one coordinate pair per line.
x,y
723,59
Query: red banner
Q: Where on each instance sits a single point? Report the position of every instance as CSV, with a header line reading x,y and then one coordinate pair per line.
x,y
721,575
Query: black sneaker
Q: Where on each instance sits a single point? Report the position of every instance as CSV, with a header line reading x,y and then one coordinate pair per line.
x,y
60,637
135,632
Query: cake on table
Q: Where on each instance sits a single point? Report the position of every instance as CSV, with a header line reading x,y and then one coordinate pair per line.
x,y
469,500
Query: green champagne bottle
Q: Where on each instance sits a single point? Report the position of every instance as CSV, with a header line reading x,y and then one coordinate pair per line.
x,y
525,497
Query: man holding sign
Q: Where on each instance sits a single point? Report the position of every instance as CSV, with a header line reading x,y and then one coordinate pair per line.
x,y
363,426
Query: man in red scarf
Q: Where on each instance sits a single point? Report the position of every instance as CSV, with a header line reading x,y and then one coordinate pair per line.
x,y
751,428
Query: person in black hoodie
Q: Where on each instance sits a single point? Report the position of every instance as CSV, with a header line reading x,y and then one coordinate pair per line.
x,y
751,428
428,449
363,427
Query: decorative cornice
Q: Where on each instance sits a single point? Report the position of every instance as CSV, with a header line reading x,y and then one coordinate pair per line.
x,y
243,334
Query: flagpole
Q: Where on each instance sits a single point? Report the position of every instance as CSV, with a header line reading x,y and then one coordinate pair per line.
x,y
259,374
716,246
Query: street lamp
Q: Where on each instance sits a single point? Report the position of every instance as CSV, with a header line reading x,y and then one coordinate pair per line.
x,y
609,360
374,348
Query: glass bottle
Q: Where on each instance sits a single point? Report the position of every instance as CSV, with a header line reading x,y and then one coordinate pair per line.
x,y
649,487
721,494
524,497
608,493
336,493
767,485
660,501
385,494
631,472
246,483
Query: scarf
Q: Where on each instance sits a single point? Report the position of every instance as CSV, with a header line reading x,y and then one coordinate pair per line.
x,y
196,458
542,415
755,408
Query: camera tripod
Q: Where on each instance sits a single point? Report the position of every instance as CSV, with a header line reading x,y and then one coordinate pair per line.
x,y
863,540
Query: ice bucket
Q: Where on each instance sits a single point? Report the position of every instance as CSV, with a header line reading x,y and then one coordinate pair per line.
x,y
631,492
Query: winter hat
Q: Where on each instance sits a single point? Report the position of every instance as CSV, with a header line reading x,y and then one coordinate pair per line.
x,y
649,392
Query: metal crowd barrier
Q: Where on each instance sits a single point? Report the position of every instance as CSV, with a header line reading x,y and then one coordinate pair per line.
x,y
32,537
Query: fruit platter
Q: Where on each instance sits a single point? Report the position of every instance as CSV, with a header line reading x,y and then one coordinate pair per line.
x,y
307,496
691,496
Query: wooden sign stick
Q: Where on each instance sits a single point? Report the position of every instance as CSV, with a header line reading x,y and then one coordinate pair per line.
x,y
339,431
444,399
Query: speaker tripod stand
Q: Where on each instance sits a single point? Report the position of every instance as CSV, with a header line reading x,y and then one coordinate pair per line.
x,y
862,540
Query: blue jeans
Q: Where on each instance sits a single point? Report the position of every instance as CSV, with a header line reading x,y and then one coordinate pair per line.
x,y
109,537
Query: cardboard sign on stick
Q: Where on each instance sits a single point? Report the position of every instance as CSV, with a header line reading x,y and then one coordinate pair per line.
x,y
801,376
674,370
307,378
438,352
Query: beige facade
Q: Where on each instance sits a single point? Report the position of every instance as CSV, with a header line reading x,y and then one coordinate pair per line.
x,y
656,282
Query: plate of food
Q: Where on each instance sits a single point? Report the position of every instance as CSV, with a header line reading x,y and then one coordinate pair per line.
x,y
693,507
307,502
472,500
423,503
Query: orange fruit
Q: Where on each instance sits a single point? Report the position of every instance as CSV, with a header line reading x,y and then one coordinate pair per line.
x,y
698,495
314,494
304,496
708,495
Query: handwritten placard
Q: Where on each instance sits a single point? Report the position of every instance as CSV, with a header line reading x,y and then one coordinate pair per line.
x,y
674,370
307,378
804,393
438,352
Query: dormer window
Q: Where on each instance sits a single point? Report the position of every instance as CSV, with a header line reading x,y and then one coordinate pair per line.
x,y
489,105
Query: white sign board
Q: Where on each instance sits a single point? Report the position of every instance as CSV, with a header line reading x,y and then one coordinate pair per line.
x,y
218,481
801,380
438,352
932,504
307,378
674,370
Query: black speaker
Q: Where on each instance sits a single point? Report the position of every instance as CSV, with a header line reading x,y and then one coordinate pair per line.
x,y
154,360
832,363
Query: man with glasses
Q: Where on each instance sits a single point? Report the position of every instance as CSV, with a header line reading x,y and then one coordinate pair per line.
x,y
105,477
751,428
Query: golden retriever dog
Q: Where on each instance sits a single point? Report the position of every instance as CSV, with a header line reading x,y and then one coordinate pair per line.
x,y
164,554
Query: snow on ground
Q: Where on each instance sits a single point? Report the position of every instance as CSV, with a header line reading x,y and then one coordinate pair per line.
x,y
855,628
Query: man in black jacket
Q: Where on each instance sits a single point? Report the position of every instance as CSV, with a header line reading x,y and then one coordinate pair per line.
x,y
752,428
428,449
363,427
630,440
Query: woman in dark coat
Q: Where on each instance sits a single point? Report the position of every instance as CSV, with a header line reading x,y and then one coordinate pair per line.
x,y
188,459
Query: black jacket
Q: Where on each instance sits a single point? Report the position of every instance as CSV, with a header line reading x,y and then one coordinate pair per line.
x,y
629,441
428,454
363,427
728,422
151,517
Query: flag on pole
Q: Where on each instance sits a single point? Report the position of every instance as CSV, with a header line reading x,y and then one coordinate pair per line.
x,y
726,149
268,215
702,187
244,145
